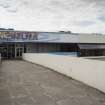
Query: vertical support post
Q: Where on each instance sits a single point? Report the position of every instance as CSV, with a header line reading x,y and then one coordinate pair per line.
x,y
15,50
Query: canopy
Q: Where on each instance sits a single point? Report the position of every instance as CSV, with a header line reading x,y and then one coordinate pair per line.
x,y
91,46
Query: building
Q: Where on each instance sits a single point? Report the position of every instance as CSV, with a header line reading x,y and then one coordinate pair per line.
x,y
13,43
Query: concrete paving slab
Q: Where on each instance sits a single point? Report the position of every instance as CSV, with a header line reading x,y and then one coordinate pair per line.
x,y
24,83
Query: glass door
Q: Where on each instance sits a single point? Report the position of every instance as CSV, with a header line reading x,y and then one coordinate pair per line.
x,y
19,51
4,52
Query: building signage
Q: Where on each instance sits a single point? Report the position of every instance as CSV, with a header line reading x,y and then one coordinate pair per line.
x,y
12,36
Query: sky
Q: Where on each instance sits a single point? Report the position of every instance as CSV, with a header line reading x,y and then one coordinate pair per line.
x,y
81,16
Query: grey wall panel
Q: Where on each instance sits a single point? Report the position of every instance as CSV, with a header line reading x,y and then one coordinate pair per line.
x,y
38,47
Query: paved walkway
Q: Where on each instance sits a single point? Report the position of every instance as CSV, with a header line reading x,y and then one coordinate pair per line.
x,y
23,83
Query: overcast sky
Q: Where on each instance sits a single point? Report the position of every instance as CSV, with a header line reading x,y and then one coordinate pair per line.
x,y
52,15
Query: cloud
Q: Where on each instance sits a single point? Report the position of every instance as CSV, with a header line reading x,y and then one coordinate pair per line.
x,y
52,15
101,18
85,23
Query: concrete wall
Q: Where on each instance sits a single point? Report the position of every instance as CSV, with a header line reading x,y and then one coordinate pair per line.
x,y
91,72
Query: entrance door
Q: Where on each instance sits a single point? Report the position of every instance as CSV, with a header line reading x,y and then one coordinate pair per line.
x,y
11,52
4,53
7,51
19,51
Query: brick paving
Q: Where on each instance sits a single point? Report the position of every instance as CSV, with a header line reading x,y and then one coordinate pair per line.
x,y
24,83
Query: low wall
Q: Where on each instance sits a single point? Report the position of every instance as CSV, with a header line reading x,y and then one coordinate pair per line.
x,y
90,72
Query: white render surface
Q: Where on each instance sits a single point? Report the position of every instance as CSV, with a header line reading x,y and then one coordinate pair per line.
x,y
88,71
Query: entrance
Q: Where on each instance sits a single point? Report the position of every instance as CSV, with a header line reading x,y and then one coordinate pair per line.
x,y
19,51
11,51
7,51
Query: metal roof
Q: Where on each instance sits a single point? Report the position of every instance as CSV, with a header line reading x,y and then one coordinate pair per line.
x,y
91,46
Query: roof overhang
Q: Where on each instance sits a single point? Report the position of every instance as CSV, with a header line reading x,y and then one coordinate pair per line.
x,y
91,46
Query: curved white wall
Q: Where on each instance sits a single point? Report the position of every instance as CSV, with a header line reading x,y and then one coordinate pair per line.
x,y
91,72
